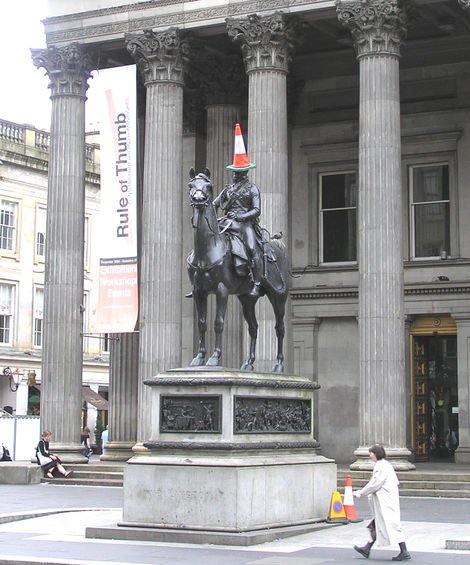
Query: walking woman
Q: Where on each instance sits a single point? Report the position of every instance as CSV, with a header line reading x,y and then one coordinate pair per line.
x,y
49,461
382,490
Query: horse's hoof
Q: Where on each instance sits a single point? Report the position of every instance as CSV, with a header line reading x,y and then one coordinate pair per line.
x,y
278,368
197,362
247,367
213,361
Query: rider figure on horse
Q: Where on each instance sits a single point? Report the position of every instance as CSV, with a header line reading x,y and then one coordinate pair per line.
x,y
241,203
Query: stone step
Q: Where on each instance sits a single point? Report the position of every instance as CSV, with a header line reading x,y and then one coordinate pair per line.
x,y
91,474
413,484
85,474
410,476
435,493
423,484
102,468
102,482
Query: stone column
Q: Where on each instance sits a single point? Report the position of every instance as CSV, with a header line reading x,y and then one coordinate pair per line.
x,y
267,44
123,396
462,454
377,27
62,353
160,60
222,82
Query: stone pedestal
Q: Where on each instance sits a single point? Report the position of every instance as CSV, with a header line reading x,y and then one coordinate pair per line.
x,y
230,452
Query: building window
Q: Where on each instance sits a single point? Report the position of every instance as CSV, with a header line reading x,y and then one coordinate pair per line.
x,y
6,313
41,232
38,315
429,214
338,217
8,225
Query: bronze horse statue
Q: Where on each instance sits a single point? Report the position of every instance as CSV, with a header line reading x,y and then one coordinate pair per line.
x,y
212,269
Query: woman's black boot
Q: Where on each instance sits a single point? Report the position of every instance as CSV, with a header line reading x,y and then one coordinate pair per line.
x,y
365,551
403,555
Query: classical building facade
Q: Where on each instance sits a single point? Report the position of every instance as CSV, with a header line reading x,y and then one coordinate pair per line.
x,y
357,117
24,154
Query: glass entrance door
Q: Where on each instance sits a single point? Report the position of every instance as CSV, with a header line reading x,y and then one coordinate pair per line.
x,y
435,397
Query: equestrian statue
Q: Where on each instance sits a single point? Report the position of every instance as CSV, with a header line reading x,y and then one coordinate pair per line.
x,y
234,255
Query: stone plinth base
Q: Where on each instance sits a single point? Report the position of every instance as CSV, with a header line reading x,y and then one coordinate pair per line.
x,y
231,452
195,536
237,493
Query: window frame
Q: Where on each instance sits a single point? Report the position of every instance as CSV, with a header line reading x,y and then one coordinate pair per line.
x,y
40,208
13,315
16,240
36,288
330,171
409,164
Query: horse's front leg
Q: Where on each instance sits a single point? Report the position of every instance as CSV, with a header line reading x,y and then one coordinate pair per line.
x,y
248,305
200,300
279,303
221,307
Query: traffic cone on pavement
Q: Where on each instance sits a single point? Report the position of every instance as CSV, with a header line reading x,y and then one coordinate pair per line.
x,y
240,156
349,507
337,513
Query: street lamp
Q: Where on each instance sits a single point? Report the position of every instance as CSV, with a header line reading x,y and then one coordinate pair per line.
x,y
14,377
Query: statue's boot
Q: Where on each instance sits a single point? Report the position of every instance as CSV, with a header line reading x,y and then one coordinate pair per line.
x,y
256,272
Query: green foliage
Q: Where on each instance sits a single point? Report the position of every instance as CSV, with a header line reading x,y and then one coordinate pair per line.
x,y
100,425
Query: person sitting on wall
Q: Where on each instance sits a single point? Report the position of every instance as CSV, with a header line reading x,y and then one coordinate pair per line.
x,y
49,461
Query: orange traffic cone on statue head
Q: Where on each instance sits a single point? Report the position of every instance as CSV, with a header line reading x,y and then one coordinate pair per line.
x,y
240,156
349,507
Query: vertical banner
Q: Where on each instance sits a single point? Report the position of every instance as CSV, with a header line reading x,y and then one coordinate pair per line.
x,y
118,299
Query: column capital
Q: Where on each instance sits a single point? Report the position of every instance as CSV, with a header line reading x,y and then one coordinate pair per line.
x,y
377,26
267,42
68,68
465,4
160,56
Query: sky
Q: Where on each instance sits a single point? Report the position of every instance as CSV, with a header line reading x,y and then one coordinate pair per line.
x,y
24,93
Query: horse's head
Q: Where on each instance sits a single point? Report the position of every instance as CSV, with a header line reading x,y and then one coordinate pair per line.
x,y
200,188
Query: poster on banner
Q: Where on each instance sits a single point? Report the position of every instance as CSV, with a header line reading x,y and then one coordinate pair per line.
x,y
118,299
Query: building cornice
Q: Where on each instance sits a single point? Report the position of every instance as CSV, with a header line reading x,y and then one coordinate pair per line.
x,y
328,294
135,20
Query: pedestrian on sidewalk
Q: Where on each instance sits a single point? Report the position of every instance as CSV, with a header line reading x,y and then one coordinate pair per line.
x,y
104,440
384,501
49,461
86,442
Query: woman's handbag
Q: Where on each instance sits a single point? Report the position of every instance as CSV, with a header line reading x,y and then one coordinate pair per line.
x,y
43,460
